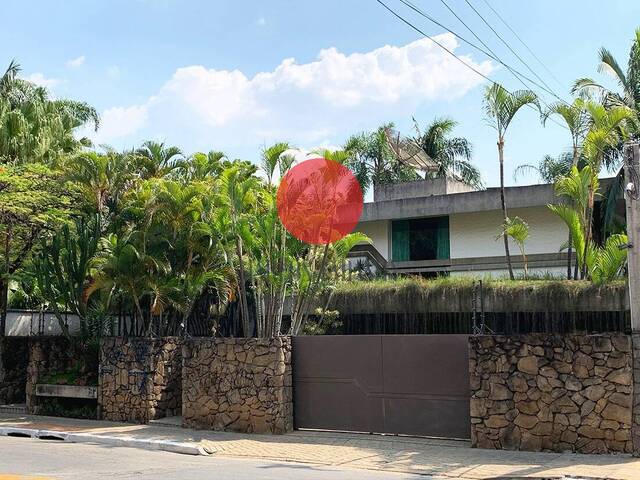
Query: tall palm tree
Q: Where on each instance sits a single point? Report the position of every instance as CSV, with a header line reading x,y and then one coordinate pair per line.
x,y
500,107
576,119
237,195
34,127
452,155
628,82
101,178
157,159
608,128
372,160
549,169
201,166
627,94
8,77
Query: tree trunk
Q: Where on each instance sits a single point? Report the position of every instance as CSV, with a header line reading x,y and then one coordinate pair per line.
x,y
574,275
4,294
4,281
242,290
503,204
587,234
569,257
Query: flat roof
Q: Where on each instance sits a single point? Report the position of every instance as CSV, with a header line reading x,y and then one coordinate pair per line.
x,y
466,202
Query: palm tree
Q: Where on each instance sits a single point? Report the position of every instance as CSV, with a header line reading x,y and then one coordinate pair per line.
x,y
373,162
576,187
550,169
8,78
601,264
237,197
34,127
627,94
202,166
500,107
628,83
452,155
608,128
576,119
102,178
518,230
158,160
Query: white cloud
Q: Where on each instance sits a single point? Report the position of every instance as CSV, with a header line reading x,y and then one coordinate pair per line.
x,y
117,122
76,62
261,22
306,103
42,81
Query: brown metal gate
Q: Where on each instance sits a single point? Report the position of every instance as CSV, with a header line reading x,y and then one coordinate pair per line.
x,y
403,384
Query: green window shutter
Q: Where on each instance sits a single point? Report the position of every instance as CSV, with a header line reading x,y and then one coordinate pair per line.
x,y
400,240
443,249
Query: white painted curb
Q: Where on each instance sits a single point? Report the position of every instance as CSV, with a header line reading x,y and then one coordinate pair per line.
x,y
115,441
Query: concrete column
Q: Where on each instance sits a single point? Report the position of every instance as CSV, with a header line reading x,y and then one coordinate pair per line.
x,y
632,196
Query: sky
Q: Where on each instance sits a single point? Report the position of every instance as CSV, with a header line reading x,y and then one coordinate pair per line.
x,y
238,75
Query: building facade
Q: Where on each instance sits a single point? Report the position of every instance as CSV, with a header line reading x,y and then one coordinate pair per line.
x,y
435,227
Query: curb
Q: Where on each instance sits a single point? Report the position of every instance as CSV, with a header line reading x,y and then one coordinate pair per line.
x,y
183,448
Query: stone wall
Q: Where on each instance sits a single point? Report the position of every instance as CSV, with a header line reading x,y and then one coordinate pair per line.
x,y
551,392
635,429
54,355
140,379
14,357
238,384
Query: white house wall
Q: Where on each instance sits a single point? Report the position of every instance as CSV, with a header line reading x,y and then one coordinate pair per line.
x,y
378,232
474,234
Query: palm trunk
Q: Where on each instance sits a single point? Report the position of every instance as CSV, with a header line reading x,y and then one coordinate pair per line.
x,y
4,280
242,290
587,234
574,275
4,294
503,204
569,242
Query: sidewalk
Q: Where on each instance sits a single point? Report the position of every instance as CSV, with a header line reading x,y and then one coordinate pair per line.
x,y
439,458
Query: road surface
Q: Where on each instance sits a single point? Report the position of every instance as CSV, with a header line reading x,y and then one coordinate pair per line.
x,y
50,459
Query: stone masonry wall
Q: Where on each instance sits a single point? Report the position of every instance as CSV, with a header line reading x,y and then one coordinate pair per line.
x,y
14,357
238,384
53,355
140,379
635,429
551,392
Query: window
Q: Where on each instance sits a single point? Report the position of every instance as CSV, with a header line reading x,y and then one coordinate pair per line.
x,y
420,239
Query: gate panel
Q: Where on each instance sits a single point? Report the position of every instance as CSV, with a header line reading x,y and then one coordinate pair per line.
x,y
336,382
404,384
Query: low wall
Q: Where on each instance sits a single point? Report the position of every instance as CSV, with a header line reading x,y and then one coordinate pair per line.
x,y
140,379
635,429
54,355
14,357
238,384
549,392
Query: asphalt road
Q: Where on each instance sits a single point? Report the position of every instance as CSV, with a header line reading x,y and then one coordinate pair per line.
x,y
57,460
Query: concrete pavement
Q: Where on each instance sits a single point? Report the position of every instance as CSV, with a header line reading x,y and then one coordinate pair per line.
x,y
28,459
435,457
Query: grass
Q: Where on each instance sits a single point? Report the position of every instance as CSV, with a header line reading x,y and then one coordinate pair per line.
x,y
73,376
565,286
456,293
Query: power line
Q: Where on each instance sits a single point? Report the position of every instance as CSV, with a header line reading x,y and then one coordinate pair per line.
x,y
524,43
507,45
491,54
406,22
471,67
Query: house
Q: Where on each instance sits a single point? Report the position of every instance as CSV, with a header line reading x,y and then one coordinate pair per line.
x,y
441,226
